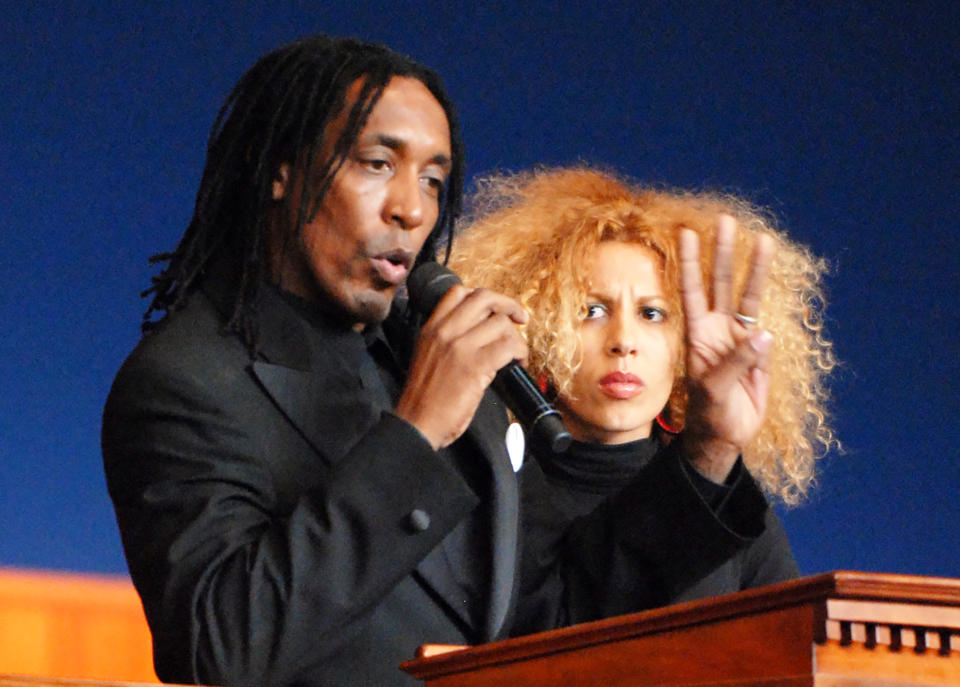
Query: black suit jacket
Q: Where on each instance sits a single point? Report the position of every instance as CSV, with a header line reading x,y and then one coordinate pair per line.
x,y
279,529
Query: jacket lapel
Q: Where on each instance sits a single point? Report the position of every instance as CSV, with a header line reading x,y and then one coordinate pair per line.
x,y
488,431
321,404
477,560
318,392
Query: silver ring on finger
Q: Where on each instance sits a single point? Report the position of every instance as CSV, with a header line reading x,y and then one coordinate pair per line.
x,y
745,320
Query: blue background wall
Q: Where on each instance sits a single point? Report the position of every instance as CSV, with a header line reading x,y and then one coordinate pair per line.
x,y
842,117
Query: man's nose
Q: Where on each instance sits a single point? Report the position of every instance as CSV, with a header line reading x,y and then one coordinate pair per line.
x,y
404,205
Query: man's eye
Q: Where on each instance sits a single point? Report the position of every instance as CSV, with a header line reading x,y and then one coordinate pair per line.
x,y
433,183
376,165
653,314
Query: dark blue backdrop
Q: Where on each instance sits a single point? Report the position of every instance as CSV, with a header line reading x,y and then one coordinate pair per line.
x,y
843,117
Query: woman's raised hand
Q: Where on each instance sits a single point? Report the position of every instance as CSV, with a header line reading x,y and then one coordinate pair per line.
x,y
727,354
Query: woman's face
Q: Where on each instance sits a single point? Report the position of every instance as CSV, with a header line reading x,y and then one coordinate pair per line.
x,y
627,348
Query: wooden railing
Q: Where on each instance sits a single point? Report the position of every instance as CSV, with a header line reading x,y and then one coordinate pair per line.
x,y
73,625
841,629
832,630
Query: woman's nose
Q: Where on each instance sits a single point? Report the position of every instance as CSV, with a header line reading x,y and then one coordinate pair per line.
x,y
622,338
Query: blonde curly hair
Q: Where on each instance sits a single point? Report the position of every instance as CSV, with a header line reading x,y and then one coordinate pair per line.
x,y
532,236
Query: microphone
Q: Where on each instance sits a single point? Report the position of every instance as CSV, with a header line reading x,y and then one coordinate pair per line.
x,y
427,284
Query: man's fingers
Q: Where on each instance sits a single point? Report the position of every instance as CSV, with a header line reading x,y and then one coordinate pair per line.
x,y
451,299
691,283
494,342
471,335
763,252
723,264
461,309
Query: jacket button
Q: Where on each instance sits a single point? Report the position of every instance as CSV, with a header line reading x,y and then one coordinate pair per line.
x,y
418,520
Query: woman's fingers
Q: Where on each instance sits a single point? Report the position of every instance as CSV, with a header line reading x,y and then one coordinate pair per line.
x,y
691,283
763,253
723,265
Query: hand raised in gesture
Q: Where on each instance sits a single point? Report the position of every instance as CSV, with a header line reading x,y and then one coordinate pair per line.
x,y
727,354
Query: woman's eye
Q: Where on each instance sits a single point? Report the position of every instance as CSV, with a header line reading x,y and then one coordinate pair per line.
x,y
653,314
595,310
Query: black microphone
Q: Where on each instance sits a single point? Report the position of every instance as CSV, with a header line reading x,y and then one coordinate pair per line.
x,y
427,284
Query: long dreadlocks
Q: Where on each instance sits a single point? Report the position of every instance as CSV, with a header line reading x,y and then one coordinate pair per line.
x,y
277,114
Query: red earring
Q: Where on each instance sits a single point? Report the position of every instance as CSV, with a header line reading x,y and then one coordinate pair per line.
x,y
665,427
542,382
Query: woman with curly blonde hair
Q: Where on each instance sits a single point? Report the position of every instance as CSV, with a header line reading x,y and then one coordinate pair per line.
x,y
622,334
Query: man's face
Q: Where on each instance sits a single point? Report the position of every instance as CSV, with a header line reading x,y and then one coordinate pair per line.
x,y
379,209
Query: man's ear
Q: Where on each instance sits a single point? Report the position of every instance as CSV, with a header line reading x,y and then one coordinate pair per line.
x,y
280,181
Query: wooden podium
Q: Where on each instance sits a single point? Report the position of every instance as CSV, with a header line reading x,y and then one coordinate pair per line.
x,y
837,629
72,625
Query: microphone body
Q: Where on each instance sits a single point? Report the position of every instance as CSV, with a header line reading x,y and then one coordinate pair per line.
x,y
542,421
426,285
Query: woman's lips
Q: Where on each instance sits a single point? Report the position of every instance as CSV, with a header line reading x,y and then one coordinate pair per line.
x,y
621,385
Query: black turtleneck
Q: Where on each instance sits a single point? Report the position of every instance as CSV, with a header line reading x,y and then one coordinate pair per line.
x,y
620,528
587,473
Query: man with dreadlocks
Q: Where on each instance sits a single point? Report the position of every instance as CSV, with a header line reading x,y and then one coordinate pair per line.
x,y
303,498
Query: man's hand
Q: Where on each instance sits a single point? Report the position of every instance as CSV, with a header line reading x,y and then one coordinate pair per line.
x,y
727,355
471,334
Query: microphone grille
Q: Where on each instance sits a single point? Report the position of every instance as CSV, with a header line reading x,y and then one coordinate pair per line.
x,y
428,283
